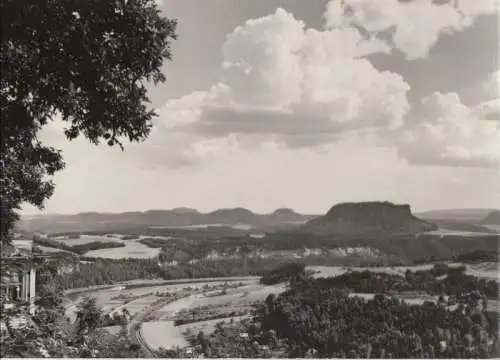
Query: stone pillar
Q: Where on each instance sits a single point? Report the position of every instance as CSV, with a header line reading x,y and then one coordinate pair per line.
x,y
32,290
24,286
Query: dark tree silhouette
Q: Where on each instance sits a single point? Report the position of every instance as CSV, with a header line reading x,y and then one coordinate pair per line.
x,y
86,62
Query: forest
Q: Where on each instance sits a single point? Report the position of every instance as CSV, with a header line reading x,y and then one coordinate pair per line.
x,y
439,280
97,271
314,319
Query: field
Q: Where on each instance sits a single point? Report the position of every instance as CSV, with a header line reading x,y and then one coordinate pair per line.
x,y
138,299
207,326
46,249
132,249
163,332
236,299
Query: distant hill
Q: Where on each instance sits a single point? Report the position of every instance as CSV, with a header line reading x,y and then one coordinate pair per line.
x,y
185,210
288,215
94,221
458,215
367,217
493,218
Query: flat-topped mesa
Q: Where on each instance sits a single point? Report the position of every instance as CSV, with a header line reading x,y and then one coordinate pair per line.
x,y
363,217
493,218
371,212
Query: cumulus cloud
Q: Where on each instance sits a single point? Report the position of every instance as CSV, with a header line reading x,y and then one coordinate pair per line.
x,y
450,133
489,89
413,27
284,85
302,87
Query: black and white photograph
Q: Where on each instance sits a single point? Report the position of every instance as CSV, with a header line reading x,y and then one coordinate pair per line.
x,y
250,179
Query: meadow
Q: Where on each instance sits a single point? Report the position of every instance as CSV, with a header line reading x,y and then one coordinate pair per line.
x,y
162,332
132,249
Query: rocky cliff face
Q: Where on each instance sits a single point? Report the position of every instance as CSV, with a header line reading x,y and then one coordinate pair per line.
x,y
493,218
366,217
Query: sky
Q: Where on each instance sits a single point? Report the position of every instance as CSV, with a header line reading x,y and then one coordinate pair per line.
x,y
305,104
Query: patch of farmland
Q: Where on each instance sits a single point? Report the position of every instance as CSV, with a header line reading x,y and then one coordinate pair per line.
x,y
132,249
162,334
170,310
327,271
114,298
241,297
86,239
47,249
138,305
110,299
207,326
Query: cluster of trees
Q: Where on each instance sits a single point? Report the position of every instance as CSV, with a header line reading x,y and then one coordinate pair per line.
x,y
49,333
97,271
88,64
314,319
289,272
115,319
439,280
217,268
393,250
91,71
328,322
201,314
238,339
474,256
479,256
403,248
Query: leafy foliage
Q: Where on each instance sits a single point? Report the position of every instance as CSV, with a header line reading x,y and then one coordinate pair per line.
x,y
289,272
84,61
48,333
317,320
437,281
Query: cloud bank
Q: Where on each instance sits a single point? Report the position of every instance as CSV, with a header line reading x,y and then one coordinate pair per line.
x,y
413,27
287,86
